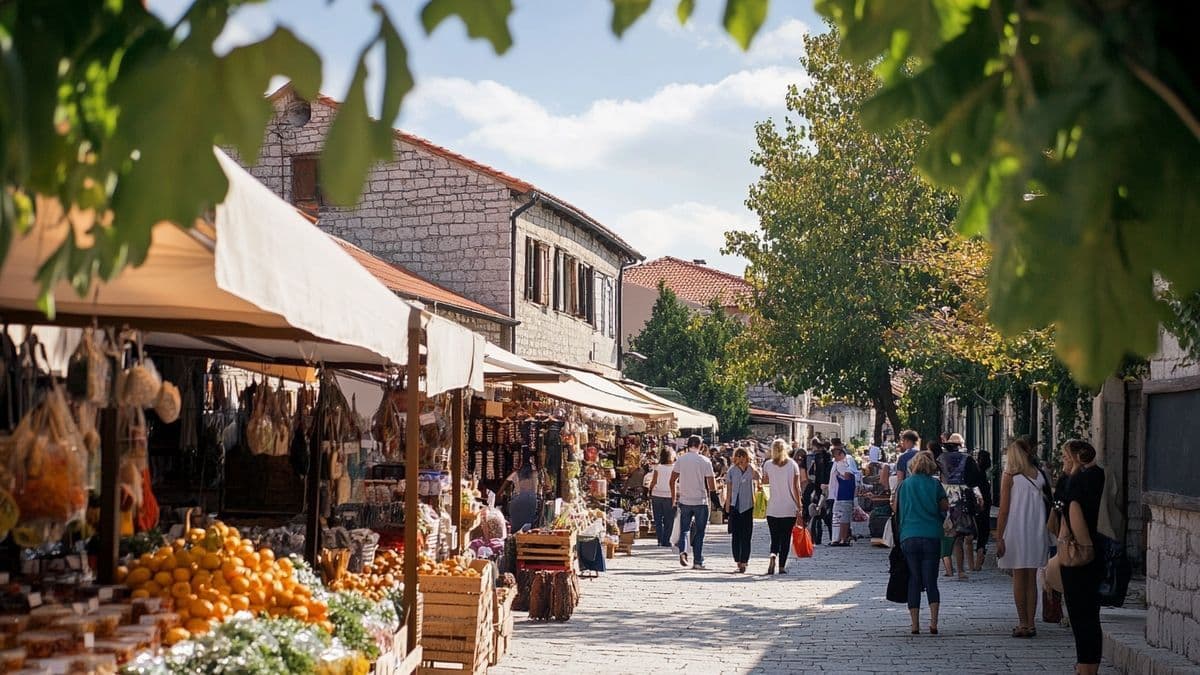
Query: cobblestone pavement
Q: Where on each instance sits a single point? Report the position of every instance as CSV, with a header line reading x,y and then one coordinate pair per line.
x,y
828,614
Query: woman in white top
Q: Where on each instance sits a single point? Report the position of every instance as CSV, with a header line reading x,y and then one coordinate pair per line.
x,y
661,505
783,475
1021,544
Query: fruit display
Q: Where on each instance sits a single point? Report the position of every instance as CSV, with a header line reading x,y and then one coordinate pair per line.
x,y
457,566
211,574
377,580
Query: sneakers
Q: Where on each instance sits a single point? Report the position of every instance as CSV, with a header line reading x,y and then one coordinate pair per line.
x,y
771,565
782,570
683,558
699,566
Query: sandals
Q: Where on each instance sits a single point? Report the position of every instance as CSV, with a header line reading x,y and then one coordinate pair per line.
x,y
933,629
1023,632
916,631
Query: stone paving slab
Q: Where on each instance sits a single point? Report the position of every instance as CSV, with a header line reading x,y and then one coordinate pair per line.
x,y
827,615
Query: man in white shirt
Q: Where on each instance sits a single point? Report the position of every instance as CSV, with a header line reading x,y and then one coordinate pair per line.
x,y
843,486
692,480
874,453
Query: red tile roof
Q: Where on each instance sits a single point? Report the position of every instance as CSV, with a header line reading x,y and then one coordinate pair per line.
x,y
690,281
511,182
408,285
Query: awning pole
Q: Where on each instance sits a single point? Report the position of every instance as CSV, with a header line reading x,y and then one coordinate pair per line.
x,y
109,529
312,483
412,456
456,469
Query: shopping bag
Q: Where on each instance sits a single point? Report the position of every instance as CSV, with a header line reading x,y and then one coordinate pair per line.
x,y
802,544
1051,606
888,537
860,516
897,586
675,532
760,505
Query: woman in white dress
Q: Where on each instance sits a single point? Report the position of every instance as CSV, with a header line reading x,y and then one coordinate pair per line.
x,y
1021,544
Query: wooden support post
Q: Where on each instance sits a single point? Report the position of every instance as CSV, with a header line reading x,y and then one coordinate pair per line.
x,y
312,483
412,457
109,529
456,468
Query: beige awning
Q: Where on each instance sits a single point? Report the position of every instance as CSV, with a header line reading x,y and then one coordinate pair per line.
x,y
592,391
259,283
685,417
501,365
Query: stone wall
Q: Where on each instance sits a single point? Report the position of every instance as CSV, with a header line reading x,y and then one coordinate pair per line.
x,y
550,334
439,218
1173,581
495,333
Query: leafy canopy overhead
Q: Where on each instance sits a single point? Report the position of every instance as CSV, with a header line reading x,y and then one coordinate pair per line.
x,y
108,109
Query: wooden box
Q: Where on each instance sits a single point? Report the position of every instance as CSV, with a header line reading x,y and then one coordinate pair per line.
x,y
457,621
625,545
550,551
502,626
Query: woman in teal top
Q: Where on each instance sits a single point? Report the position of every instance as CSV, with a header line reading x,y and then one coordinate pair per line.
x,y
923,507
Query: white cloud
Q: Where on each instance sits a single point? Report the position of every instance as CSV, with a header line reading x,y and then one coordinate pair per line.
x,y
687,230
782,44
522,128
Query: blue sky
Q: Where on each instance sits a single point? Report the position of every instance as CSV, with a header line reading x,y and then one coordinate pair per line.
x,y
650,134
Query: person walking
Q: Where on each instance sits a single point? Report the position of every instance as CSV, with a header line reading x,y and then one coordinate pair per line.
x,y
819,465
910,445
661,507
1081,585
740,483
962,477
691,482
843,485
1021,532
983,518
923,507
783,475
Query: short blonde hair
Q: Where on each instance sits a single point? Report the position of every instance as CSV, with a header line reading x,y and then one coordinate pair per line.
x,y
922,463
779,451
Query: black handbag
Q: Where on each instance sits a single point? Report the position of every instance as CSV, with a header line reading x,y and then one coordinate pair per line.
x,y
897,587
1117,571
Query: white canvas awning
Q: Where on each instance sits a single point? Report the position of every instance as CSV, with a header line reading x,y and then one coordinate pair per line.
x,y
501,365
592,391
260,283
685,417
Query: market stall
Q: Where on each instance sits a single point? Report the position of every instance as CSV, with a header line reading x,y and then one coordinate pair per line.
x,y
212,291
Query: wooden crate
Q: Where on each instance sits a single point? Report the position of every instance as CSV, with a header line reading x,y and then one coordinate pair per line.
x,y
457,621
551,551
625,545
502,626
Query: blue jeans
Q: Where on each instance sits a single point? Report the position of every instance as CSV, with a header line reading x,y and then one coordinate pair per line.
x,y
922,555
664,518
686,516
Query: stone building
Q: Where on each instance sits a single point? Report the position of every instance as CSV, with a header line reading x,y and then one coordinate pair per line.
x,y
466,227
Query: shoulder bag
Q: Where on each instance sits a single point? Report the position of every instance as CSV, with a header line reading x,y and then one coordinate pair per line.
x,y
1071,553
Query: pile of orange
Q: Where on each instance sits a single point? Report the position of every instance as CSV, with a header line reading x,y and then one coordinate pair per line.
x,y
211,574
384,574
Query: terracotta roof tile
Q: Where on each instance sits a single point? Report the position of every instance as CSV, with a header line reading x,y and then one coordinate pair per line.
x,y
690,281
409,285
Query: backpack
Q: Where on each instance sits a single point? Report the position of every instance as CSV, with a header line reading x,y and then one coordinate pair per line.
x,y
820,465
955,466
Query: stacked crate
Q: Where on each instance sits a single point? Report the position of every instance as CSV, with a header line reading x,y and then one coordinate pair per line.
x,y
457,623
550,551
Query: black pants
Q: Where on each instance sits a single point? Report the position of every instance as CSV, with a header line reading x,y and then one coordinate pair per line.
x,y
1081,593
983,520
741,526
781,536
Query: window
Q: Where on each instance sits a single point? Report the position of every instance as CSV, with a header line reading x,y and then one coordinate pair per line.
x,y
306,184
543,273
559,298
530,256
537,271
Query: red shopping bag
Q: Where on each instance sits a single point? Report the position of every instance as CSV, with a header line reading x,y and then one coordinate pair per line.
x,y
802,544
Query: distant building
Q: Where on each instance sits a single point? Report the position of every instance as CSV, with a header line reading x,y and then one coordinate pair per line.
x,y
493,238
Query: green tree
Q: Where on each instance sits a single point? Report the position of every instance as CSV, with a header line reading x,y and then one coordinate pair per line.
x,y
844,217
691,353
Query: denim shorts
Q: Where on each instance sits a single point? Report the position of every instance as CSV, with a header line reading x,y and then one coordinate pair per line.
x,y
843,511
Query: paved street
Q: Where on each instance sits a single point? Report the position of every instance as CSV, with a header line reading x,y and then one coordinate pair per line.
x,y
649,615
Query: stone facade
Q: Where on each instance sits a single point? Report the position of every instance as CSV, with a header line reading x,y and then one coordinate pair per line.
x,y
1173,581
421,211
551,334
447,218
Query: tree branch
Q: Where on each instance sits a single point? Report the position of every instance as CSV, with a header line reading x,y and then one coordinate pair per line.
x,y
1164,92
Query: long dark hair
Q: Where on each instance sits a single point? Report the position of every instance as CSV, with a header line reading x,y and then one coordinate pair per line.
x,y
666,455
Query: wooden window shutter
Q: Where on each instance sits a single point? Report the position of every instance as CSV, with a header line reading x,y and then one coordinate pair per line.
x,y
544,265
529,265
306,192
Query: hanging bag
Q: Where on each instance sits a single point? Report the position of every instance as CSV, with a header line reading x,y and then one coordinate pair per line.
x,y
898,573
1071,553
802,544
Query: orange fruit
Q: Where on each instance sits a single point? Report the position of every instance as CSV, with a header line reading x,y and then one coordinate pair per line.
x,y
266,554
239,603
181,574
176,635
139,594
197,626
164,579
152,587
211,561
122,572
239,584
138,576
201,577
201,609
181,590
299,612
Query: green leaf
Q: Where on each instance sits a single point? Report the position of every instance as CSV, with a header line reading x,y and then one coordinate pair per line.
x,y
626,12
743,18
352,144
247,70
399,80
684,10
487,19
